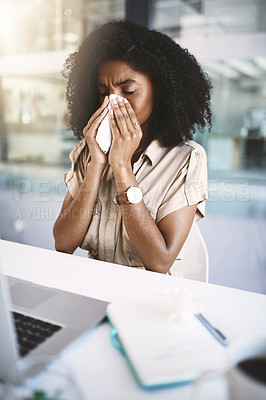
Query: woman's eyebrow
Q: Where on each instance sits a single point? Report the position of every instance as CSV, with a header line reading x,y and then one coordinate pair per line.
x,y
126,81
119,83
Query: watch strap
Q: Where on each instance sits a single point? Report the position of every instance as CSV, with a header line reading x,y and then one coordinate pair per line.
x,y
126,197
122,198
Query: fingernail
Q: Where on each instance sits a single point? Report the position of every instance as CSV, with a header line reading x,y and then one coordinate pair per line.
x,y
114,101
120,99
126,100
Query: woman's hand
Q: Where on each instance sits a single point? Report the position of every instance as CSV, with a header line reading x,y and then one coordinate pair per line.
x,y
126,133
90,132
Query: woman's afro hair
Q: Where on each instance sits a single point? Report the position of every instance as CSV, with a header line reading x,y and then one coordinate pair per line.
x,y
182,89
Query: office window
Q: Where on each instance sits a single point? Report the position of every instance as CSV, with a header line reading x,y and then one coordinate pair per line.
x,y
46,25
33,113
35,120
214,31
208,18
239,112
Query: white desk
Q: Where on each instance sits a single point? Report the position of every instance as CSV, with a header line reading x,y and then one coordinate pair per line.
x,y
100,370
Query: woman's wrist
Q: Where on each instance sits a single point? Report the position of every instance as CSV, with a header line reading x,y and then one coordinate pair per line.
x,y
121,168
124,178
94,172
97,166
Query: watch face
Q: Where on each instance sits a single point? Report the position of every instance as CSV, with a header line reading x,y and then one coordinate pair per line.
x,y
134,195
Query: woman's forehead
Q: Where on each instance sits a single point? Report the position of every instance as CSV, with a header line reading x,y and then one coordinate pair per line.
x,y
118,70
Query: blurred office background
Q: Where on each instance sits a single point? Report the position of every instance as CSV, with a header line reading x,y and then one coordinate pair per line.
x,y
228,37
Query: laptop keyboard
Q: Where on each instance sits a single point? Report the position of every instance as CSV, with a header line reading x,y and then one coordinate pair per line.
x,y
31,332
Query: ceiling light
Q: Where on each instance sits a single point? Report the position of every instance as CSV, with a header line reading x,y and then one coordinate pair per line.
x,y
261,62
244,67
67,12
222,69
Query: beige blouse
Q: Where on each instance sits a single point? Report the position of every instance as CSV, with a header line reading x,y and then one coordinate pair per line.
x,y
170,178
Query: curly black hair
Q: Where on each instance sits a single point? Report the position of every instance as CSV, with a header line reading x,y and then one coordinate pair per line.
x,y
182,88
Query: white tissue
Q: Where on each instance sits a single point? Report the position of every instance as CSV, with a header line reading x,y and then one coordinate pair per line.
x,y
104,134
180,304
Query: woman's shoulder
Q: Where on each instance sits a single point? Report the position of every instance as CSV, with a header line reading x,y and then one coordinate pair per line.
x,y
191,147
77,150
79,157
183,152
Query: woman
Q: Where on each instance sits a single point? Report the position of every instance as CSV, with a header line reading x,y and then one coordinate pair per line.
x,y
154,171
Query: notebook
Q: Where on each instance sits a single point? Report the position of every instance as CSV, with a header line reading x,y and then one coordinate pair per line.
x,y
40,321
160,352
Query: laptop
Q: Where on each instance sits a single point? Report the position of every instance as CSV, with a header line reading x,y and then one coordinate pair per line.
x,y
40,321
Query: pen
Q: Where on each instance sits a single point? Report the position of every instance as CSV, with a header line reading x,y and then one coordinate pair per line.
x,y
218,335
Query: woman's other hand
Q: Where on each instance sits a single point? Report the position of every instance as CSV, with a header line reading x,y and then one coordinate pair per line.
x,y
126,132
90,132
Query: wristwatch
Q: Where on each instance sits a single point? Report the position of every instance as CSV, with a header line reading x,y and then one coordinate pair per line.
x,y
133,195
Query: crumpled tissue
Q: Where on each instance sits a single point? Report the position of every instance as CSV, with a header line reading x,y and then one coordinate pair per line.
x,y
180,304
104,134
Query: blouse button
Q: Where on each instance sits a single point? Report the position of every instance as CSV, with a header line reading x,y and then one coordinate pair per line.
x,y
196,153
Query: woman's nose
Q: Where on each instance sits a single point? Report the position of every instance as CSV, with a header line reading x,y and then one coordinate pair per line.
x,y
115,91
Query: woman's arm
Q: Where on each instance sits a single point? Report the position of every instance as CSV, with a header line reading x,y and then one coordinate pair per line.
x,y
156,245
75,216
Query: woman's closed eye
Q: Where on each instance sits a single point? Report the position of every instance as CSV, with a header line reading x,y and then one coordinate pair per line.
x,y
125,92
128,92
